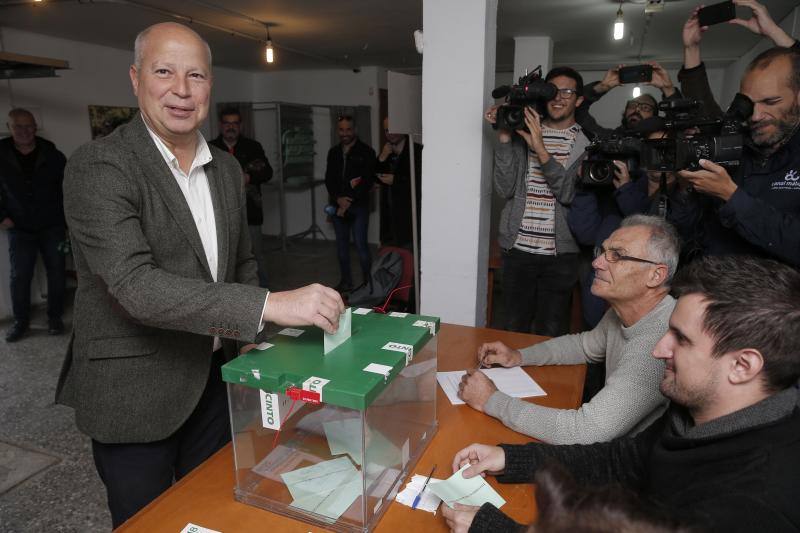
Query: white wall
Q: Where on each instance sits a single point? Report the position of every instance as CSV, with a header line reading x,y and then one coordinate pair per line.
x,y
734,72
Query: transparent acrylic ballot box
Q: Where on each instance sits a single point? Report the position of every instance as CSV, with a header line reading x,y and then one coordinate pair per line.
x,y
329,438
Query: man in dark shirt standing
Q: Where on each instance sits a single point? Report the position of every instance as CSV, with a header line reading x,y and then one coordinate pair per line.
x,y
257,170
349,176
32,210
394,172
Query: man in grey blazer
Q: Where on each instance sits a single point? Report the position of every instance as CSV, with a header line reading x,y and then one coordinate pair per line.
x,y
166,280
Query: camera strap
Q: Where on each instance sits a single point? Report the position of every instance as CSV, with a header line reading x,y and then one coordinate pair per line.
x,y
663,200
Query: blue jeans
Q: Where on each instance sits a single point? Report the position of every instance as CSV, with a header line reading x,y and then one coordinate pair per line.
x,y
356,219
23,247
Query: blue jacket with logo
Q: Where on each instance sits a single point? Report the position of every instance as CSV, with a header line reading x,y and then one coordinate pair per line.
x,y
761,218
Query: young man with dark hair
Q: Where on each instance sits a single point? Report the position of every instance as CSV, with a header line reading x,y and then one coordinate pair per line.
x,y
535,171
724,457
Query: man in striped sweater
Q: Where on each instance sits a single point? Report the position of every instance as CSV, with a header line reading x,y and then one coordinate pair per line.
x,y
535,171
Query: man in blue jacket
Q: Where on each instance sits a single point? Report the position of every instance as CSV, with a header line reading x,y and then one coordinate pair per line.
x,y
756,209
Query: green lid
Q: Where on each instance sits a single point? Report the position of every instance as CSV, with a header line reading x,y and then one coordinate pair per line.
x,y
291,361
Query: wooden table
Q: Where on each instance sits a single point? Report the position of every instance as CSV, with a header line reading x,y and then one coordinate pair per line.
x,y
205,496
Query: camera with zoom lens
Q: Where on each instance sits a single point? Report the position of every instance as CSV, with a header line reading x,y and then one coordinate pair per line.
x,y
530,91
688,138
598,168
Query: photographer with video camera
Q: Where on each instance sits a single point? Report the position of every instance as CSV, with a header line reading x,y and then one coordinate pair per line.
x,y
536,163
756,208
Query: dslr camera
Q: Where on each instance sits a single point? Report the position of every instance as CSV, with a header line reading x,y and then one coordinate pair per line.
x,y
688,137
530,91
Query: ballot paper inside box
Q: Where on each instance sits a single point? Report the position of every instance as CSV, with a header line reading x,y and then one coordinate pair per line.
x,y
329,438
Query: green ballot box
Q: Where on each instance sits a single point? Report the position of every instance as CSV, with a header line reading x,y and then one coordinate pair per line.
x,y
328,438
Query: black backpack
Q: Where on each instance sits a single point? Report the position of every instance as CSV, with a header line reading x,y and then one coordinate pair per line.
x,y
384,276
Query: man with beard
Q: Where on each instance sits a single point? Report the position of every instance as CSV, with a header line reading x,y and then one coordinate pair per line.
x,y
535,172
757,209
257,170
724,456
349,176
642,107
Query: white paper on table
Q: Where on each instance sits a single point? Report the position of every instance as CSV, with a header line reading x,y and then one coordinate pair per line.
x,y
473,491
429,501
194,528
512,381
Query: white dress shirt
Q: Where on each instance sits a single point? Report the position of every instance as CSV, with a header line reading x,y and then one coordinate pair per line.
x,y
194,186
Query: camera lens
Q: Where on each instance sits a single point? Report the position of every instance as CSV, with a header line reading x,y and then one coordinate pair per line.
x,y
600,171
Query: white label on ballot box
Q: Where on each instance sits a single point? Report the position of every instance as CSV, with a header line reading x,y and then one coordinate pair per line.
x,y
426,324
274,408
194,528
315,384
404,348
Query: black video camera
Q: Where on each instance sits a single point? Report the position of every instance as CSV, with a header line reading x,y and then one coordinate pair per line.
x,y
688,137
531,90
598,168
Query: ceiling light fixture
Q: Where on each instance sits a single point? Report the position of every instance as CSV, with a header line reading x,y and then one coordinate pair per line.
x,y
269,53
637,91
619,25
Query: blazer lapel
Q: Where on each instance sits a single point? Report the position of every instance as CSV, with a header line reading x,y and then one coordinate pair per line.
x,y
155,170
217,189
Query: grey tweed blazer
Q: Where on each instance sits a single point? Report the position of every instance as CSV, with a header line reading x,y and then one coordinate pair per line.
x,y
146,307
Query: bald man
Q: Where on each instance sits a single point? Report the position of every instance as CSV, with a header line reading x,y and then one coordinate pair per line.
x,y
167,281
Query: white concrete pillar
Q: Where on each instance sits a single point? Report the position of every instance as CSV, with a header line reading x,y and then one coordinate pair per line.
x,y
458,66
530,52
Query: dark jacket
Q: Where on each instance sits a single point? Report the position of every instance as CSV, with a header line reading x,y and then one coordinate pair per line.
x,y
247,151
341,170
763,215
694,84
739,472
761,218
37,203
147,305
396,198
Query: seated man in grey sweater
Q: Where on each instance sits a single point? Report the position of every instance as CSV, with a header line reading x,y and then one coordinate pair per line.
x,y
633,270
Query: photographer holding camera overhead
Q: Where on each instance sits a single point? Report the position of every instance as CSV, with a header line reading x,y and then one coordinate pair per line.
x,y
640,108
753,208
536,162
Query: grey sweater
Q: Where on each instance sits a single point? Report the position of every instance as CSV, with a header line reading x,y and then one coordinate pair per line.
x,y
630,399
510,173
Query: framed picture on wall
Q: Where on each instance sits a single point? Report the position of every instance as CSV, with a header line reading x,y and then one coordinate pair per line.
x,y
105,119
